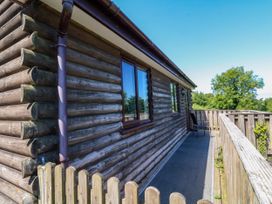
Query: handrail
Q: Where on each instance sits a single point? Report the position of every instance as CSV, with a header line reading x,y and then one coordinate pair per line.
x,y
248,174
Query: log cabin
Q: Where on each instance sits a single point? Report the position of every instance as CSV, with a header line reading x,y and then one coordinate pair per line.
x,y
82,85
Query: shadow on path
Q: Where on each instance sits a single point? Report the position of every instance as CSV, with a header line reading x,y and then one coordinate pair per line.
x,y
189,170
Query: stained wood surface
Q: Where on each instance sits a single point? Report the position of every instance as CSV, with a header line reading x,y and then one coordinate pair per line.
x,y
80,190
248,174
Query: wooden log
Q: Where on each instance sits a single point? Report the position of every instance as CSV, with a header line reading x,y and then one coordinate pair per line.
x,y
49,32
83,59
30,129
20,196
6,200
14,51
12,128
87,147
9,13
14,176
92,109
28,147
92,85
88,97
30,76
10,25
4,6
37,93
19,112
10,97
25,165
92,133
31,58
76,123
11,67
12,38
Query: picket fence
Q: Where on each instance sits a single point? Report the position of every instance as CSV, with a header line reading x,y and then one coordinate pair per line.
x,y
59,185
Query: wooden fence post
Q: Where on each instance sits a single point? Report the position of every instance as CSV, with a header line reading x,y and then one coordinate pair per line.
x,y
59,184
177,198
152,196
97,194
131,193
203,201
83,187
71,194
113,191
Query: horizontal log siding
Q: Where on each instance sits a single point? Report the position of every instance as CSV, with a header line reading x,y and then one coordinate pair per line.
x,y
28,105
18,155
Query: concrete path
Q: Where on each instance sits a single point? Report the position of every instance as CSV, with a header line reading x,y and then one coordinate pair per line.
x,y
189,171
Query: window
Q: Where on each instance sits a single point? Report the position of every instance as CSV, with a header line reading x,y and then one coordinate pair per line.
x,y
174,97
135,93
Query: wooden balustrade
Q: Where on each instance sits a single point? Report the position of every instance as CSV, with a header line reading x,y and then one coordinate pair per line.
x,y
58,185
248,174
244,120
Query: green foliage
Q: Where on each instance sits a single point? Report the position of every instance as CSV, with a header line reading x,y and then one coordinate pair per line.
x,y
236,89
261,133
201,100
268,104
219,159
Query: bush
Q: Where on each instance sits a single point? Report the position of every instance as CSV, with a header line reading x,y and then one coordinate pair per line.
x,y
261,133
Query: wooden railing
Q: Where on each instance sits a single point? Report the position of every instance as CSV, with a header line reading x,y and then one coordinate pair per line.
x,y
245,121
248,174
58,185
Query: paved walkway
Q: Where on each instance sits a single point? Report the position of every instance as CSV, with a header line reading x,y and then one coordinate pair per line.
x,y
189,171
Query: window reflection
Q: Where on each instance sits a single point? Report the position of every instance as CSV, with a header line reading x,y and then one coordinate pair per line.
x,y
143,94
129,94
174,100
135,92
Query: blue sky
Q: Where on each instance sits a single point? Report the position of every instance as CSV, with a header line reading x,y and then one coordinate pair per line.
x,y
207,37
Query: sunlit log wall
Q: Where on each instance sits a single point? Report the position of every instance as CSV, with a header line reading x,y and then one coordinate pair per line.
x,y
28,125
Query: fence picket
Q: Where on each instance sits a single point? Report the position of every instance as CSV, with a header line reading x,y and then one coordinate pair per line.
x,y
49,193
59,184
152,195
83,187
177,198
71,195
113,191
97,194
131,193
41,184
203,201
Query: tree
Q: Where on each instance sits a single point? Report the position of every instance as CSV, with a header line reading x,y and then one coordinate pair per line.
x,y
236,89
201,100
268,104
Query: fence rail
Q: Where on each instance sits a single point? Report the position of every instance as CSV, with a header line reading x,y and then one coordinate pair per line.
x,y
248,174
245,120
58,185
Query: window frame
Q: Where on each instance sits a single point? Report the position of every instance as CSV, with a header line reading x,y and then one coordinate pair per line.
x,y
137,122
177,97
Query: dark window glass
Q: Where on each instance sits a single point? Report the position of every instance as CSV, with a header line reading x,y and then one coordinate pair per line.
x,y
135,92
143,103
129,93
174,97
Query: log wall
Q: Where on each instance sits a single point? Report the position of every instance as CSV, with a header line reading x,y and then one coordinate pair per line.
x,y
28,105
